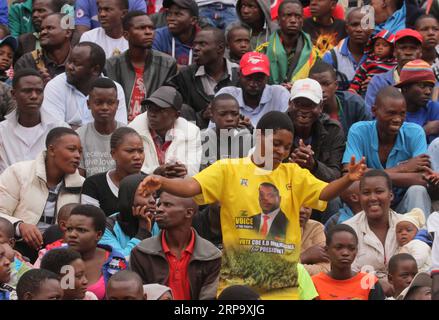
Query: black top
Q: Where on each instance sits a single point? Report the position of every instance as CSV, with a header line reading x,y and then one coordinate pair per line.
x,y
97,187
325,37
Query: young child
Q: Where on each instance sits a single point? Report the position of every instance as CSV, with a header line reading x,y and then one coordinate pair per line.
x,y
155,291
401,270
325,30
8,45
5,275
53,236
39,284
125,285
419,289
406,230
341,283
18,264
95,136
380,60
56,259
238,42
225,139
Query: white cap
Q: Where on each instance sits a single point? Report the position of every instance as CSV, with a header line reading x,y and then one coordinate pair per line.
x,y
422,279
307,88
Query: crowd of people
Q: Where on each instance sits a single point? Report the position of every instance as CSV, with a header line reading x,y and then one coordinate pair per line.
x,y
219,149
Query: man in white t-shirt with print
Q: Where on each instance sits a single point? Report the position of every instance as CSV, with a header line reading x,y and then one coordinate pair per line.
x,y
110,34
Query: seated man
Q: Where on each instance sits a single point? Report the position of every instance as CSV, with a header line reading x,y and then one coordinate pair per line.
x,y
172,145
199,82
319,142
395,146
343,106
86,14
176,39
51,59
179,244
408,47
416,83
65,96
289,49
140,70
349,54
30,41
23,133
325,30
110,34
253,93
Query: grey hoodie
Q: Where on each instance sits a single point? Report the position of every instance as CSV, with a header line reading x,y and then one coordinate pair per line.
x,y
269,26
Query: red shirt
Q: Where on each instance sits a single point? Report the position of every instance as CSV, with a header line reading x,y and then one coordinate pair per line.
x,y
178,277
137,95
160,146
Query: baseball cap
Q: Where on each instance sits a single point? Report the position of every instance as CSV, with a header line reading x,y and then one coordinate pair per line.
x,y
165,97
386,35
254,62
405,33
307,88
422,279
190,5
416,71
10,40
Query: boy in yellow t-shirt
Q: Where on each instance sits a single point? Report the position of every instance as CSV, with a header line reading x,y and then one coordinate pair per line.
x,y
260,199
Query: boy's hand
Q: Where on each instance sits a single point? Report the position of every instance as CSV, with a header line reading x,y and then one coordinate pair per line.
x,y
431,176
149,185
356,170
416,164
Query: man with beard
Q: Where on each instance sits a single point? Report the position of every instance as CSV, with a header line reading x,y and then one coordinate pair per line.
x,y
176,39
55,48
199,82
254,95
140,70
65,96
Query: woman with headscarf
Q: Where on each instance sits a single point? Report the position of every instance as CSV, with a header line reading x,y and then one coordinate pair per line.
x,y
133,223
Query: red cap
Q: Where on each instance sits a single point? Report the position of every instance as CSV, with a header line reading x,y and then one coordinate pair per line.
x,y
404,33
254,62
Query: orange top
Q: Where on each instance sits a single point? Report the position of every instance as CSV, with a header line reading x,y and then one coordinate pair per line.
x,y
355,288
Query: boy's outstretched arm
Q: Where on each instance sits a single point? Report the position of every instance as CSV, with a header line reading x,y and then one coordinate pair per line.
x,y
355,172
185,188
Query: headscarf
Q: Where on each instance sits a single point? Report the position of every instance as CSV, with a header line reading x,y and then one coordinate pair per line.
x,y
128,186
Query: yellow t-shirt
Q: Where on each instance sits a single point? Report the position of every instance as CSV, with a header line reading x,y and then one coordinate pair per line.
x,y
268,263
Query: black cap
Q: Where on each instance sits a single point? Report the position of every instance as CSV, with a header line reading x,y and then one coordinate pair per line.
x,y
165,97
190,5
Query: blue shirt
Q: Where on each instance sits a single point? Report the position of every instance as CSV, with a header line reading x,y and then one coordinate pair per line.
x,y
378,82
424,115
163,42
274,98
396,22
345,60
87,11
363,141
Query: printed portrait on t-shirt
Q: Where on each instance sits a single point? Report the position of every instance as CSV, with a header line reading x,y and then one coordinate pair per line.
x,y
271,222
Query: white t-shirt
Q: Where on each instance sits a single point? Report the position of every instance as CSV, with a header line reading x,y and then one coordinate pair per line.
x,y
112,47
29,135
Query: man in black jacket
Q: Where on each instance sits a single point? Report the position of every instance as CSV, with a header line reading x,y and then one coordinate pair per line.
x,y
319,142
199,82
